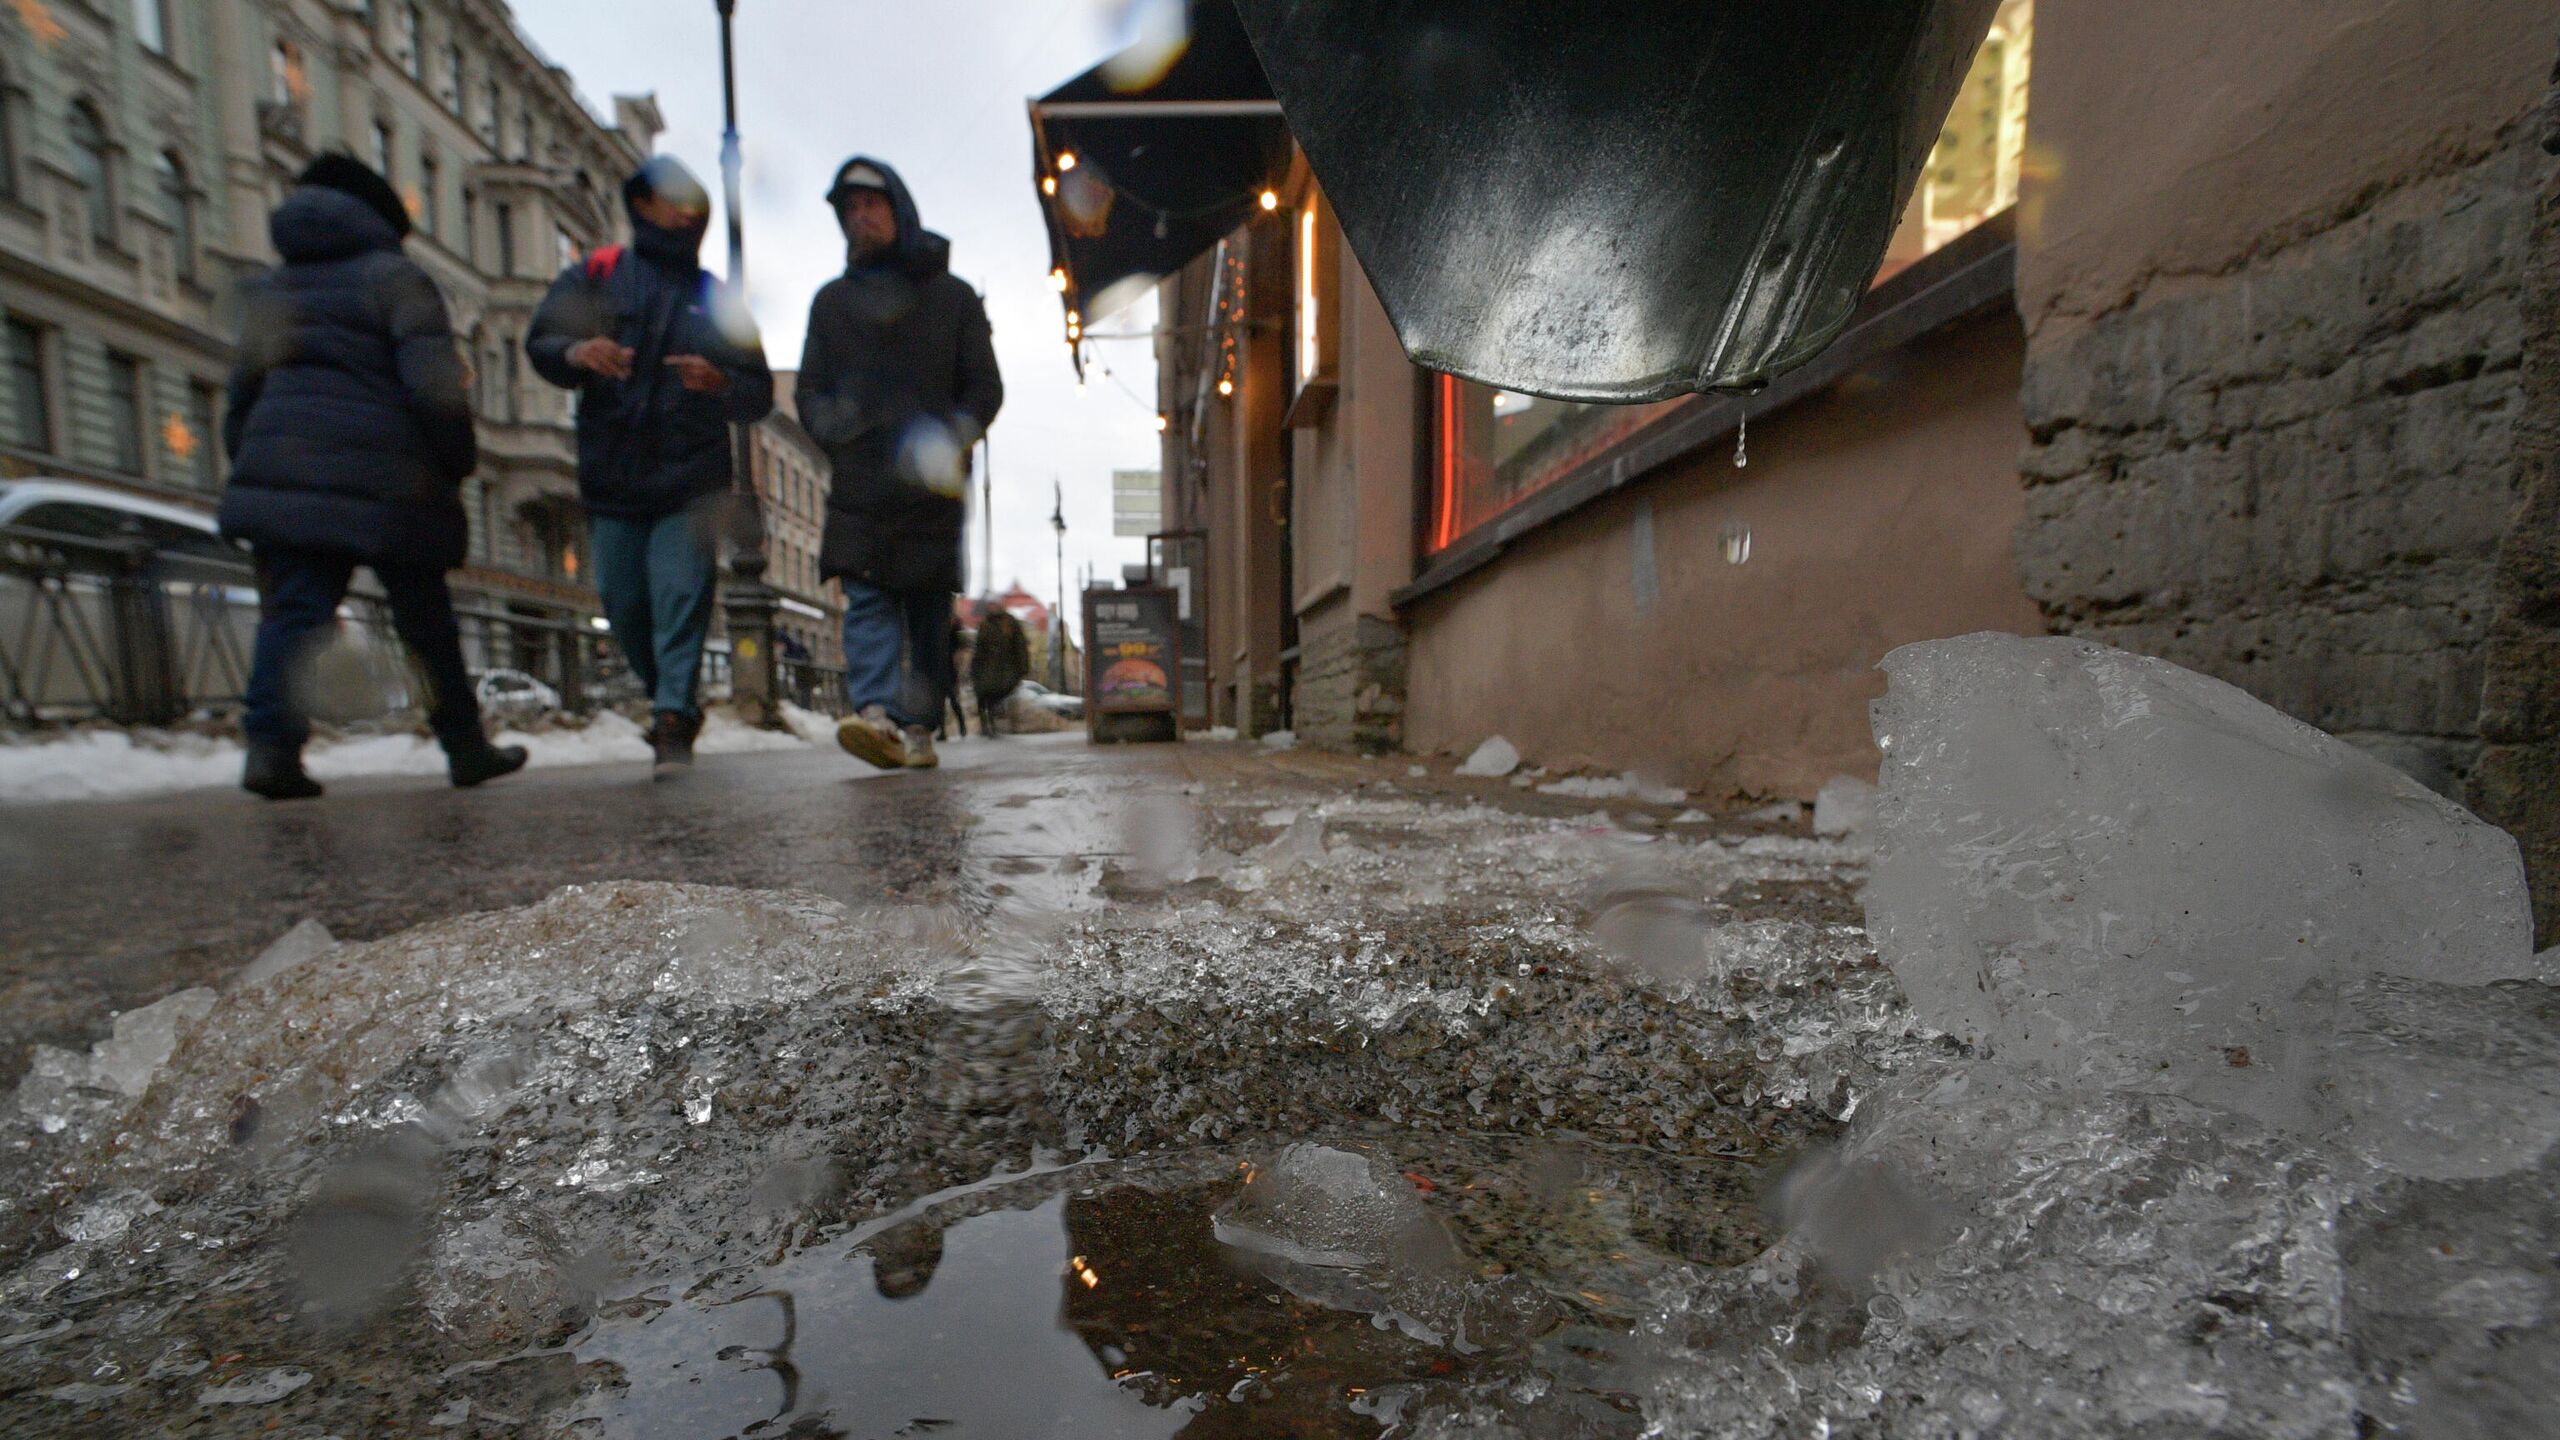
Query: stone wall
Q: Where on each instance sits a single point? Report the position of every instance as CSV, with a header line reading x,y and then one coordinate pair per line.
x,y
2518,783
1351,683
2295,474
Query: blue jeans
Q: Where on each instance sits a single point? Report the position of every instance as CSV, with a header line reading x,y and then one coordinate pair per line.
x,y
657,579
298,596
897,651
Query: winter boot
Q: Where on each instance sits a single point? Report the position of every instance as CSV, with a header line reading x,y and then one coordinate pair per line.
x,y
871,738
475,761
920,754
275,771
672,739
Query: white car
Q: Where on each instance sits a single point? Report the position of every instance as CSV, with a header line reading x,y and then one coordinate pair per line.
x,y
1070,706
514,693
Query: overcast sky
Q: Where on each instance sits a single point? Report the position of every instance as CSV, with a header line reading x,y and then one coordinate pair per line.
x,y
936,90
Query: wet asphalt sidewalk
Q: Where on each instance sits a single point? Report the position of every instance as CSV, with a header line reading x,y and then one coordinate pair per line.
x,y
114,905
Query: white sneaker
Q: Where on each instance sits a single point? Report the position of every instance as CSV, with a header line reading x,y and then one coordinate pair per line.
x,y
869,737
920,754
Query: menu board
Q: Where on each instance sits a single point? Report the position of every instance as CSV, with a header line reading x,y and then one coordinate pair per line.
x,y
1133,654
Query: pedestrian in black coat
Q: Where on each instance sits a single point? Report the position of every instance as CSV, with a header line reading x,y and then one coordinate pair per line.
x,y
898,383
1001,664
349,431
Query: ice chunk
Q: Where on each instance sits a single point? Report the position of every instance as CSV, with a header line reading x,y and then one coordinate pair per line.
x,y
1317,1205
1280,740
1493,759
2122,873
1301,844
2450,1082
1856,1216
1629,786
264,1388
1845,806
295,948
144,1040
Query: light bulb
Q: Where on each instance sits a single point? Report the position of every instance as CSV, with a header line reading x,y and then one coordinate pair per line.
x,y
1058,281
1226,387
1270,200
1066,161
1163,423
1048,184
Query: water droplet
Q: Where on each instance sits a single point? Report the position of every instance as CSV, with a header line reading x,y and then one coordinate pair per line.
x,y
1737,543
1742,444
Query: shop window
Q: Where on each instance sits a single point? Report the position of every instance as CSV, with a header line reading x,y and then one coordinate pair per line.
x,y
1492,450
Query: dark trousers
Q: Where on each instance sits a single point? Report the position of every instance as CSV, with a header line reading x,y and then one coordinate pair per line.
x,y
298,596
897,652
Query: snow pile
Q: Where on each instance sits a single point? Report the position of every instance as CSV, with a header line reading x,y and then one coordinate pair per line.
x,y
121,764
1629,786
1846,805
1492,760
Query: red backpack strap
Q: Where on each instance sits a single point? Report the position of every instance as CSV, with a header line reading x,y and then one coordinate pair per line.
x,y
602,262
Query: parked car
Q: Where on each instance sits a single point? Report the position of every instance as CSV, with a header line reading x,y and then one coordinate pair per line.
x,y
1070,706
513,693
76,510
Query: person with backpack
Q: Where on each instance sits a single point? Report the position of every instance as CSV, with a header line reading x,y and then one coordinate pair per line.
x,y
1001,664
349,430
898,383
664,359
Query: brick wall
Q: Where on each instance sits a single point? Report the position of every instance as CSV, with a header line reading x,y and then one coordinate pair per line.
x,y
1351,683
2295,474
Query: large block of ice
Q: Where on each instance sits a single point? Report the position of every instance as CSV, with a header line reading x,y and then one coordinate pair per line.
x,y
2120,872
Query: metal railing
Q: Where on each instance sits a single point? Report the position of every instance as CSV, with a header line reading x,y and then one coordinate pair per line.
x,y
126,630
811,686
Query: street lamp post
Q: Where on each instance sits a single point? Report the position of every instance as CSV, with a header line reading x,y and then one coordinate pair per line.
x,y
1058,617
747,603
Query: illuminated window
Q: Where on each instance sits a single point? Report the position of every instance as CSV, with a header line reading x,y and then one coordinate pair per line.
x,y
1975,168
1309,328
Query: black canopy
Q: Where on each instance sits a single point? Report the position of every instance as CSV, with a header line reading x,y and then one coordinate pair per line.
x,y
1141,165
1618,201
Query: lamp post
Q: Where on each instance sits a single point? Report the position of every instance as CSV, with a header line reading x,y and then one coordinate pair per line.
x,y
747,602
1058,617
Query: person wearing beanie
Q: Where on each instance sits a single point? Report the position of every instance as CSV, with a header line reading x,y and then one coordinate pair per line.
x,y
664,359
349,431
898,383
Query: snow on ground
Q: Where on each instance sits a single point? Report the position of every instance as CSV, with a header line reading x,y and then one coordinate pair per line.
x,y
122,764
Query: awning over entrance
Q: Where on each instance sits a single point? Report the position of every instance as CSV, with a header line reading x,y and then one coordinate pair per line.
x,y
1619,202
1150,158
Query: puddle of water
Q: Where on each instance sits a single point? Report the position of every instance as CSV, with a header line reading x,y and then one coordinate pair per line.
x,y
1131,1299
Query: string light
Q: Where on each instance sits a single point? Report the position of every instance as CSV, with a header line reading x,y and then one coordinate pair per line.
x,y
1270,199
1048,184
1164,422
1226,387
1058,280
1066,161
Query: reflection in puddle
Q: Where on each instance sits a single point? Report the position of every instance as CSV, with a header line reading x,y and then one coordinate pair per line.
x,y
1196,1295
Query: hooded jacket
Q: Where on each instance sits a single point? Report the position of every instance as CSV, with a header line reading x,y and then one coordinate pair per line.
x,y
647,446
898,381
349,419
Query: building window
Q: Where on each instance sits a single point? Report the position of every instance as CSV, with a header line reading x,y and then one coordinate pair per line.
x,y
470,246
285,75
453,90
89,167
1975,168
382,147
497,117
515,385
567,247
430,196
504,218
204,416
178,206
151,25
127,421
8,141
30,398
413,42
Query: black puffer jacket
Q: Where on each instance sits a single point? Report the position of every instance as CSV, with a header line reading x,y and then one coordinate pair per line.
x,y
349,423
898,382
647,446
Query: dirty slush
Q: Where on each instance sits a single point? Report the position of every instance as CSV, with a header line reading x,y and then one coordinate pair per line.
x,y
1304,1104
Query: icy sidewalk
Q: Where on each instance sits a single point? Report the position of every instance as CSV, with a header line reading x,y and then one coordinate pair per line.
x,y
121,764
1600,1127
